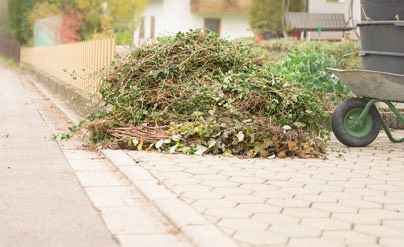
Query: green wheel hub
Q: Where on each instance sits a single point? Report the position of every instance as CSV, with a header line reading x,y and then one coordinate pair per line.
x,y
357,128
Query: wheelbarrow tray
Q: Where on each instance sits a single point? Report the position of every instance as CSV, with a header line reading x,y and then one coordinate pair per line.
x,y
373,84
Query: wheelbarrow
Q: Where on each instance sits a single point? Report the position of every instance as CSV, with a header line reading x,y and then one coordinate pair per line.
x,y
356,122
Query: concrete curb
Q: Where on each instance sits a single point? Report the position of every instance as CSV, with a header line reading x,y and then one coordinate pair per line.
x,y
201,232
78,100
194,226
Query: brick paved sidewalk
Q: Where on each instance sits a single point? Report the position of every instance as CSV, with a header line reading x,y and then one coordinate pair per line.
x,y
354,198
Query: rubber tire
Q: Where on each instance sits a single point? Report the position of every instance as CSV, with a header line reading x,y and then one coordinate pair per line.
x,y
337,122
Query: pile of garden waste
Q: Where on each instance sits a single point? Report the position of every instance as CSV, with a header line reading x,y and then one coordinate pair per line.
x,y
196,93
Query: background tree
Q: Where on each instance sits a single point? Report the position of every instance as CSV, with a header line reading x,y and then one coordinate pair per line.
x,y
267,14
81,18
110,16
18,11
5,29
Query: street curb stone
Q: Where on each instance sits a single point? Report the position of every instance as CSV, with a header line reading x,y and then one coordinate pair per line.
x,y
200,231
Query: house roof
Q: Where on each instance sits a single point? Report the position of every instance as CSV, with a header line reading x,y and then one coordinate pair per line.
x,y
312,21
220,6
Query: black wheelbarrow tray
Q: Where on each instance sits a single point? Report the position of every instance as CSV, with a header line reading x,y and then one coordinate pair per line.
x,y
356,122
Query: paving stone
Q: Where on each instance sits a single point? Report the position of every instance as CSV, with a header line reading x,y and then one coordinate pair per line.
x,y
247,180
392,242
295,230
384,199
243,224
379,231
334,207
135,173
205,195
115,197
231,191
289,203
262,238
276,219
307,181
210,177
180,181
384,187
179,212
312,242
394,207
316,198
288,184
396,224
100,178
153,191
349,237
256,208
341,195
266,188
306,213
326,224
126,221
227,213
192,188
362,204
214,203
208,236
149,240
81,154
273,195
382,214
245,198
355,218
347,184
300,191
324,188
221,184
91,165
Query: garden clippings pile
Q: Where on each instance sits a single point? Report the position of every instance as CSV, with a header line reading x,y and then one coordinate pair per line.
x,y
198,94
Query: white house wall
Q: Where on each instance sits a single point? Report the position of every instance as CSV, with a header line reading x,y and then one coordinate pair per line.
x,y
172,16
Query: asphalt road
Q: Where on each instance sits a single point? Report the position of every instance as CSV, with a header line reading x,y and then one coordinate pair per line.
x,y
41,200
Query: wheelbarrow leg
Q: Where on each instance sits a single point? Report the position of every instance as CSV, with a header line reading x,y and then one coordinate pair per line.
x,y
387,129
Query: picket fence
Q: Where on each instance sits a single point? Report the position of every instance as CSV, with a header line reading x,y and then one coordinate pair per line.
x,y
77,64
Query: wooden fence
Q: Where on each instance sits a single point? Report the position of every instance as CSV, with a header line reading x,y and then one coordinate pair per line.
x,y
10,48
77,64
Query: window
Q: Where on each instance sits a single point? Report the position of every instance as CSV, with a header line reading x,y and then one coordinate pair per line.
x,y
213,25
152,27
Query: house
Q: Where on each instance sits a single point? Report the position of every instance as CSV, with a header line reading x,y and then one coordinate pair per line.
x,y
350,8
228,18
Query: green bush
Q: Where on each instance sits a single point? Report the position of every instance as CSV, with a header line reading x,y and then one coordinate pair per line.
x,y
346,52
310,68
124,37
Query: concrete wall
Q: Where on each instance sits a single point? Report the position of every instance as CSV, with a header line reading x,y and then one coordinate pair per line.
x,y
172,16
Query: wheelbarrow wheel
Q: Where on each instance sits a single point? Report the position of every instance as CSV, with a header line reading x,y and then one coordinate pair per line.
x,y
351,132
